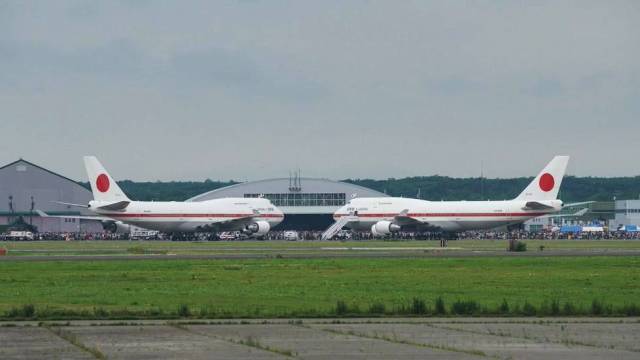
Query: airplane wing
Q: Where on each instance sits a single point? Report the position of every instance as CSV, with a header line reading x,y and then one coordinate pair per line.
x,y
403,218
232,224
82,217
534,205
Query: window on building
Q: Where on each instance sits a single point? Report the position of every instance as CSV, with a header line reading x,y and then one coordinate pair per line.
x,y
304,199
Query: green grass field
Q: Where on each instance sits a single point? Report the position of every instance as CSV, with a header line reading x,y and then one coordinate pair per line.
x,y
296,287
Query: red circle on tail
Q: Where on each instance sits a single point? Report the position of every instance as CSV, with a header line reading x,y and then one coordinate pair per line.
x,y
547,182
102,183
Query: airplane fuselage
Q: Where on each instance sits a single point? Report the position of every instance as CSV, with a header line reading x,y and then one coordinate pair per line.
x,y
219,214
442,215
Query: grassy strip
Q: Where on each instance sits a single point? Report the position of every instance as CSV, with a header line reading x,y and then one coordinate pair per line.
x,y
565,341
253,342
395,339
73,339
248,341
182,246
416,307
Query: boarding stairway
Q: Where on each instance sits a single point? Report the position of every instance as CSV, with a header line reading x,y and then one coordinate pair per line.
x,y
337,226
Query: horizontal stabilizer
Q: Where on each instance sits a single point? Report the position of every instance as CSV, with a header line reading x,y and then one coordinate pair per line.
x,y
71,204
41,213
534,205
576,214
79,217
120,205
576,204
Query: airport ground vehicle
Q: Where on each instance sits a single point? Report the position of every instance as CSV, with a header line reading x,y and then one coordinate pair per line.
x,y
229,235
20,235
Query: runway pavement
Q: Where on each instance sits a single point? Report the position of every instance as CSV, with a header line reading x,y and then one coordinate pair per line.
x,y
410,338
320,253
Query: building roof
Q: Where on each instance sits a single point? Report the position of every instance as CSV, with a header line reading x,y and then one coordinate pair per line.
x,y
290,187
21,160
25,185
282,185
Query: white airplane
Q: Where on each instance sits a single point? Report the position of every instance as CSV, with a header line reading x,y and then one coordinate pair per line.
x,y
385,215
253,216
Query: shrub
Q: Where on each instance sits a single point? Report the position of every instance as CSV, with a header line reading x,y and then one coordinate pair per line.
x,y
100,313
418,306
597,308
504,307
569,309
630,310
516,245
521,246
28,310
377,308
468,307
440,308
555,307
528,309
183,310
341,307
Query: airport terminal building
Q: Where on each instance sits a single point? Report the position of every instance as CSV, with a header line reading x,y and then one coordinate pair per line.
x,y
308,203
26,187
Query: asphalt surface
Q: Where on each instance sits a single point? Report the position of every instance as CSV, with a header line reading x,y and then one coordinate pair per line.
x,y
411,338
321,254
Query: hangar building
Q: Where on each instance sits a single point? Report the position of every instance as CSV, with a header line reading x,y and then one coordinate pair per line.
x,y
308,203
26,187
627,212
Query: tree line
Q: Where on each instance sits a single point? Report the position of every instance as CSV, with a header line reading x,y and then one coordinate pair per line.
x,y
425,187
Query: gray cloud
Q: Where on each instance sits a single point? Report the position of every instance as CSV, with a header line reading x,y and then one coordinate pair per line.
x,y
251,89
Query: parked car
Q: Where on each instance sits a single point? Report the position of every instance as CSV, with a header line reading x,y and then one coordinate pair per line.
x,y
229,235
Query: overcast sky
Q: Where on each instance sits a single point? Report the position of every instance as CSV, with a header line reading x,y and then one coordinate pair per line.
x,y
246,90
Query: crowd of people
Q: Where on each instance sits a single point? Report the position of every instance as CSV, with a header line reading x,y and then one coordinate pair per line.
x,y
549,235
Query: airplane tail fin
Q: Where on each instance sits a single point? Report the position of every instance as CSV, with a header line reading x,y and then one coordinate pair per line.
x,y
545,186
103,186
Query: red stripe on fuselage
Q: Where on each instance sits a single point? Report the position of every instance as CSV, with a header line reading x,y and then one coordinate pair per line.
x,y
451,215
193,215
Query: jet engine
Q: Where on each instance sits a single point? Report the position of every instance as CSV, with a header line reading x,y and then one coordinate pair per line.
x,y
382,228
258,228
116,227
